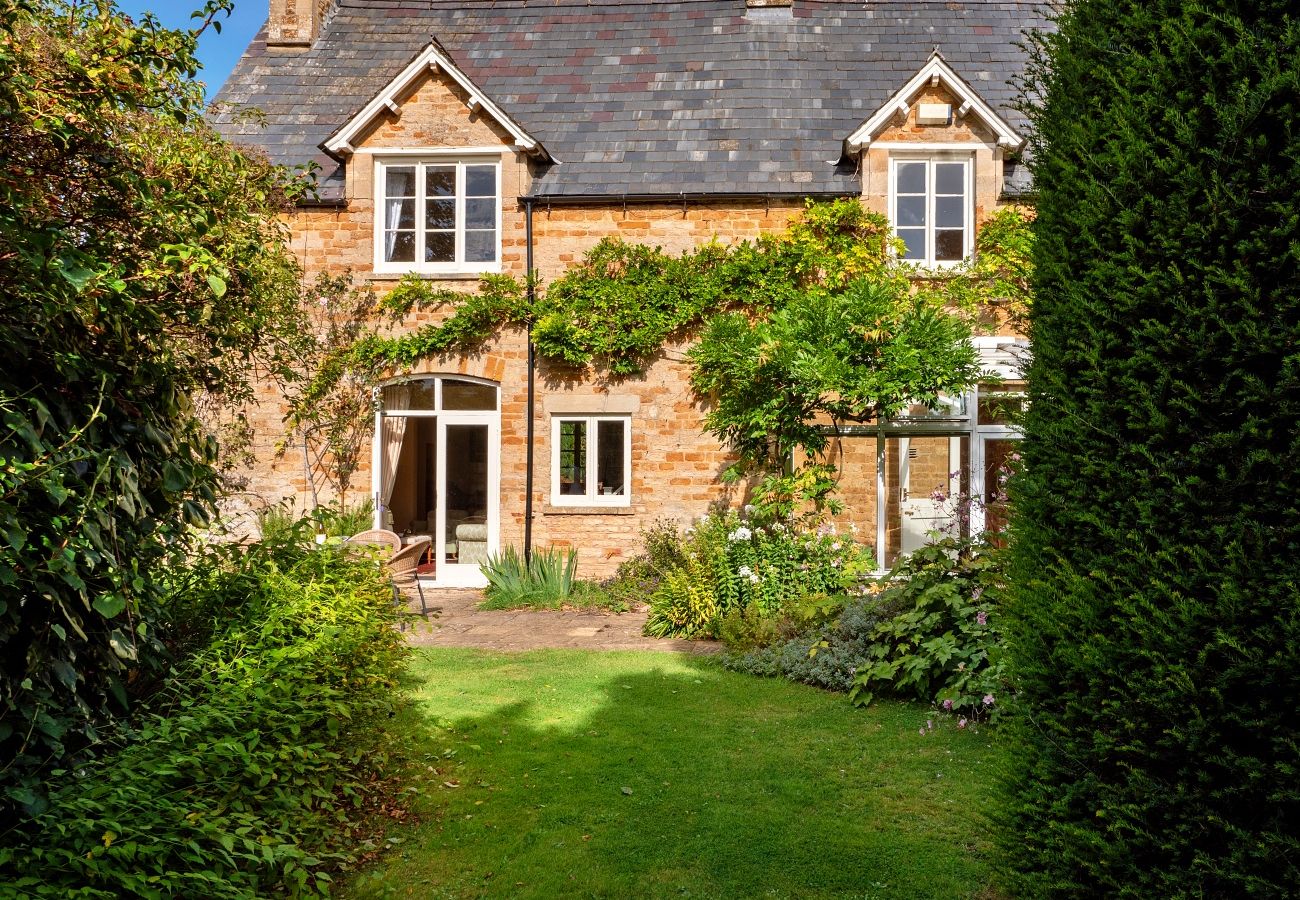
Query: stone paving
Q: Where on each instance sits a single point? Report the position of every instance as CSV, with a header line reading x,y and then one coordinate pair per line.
x,y
456,621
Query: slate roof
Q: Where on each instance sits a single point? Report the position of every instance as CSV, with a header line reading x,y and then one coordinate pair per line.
x,y
693,96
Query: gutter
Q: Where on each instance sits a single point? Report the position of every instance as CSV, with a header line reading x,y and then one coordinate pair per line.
x,y
682,197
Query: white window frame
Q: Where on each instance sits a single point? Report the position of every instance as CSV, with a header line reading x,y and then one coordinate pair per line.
x,y
460,160
591,498
968,230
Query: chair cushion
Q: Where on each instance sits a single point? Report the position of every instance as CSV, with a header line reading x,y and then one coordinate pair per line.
x,y
471,532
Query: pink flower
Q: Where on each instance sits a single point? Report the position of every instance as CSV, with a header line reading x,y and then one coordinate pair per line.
x,y
947,704
988,699
982,617
922,732
961,723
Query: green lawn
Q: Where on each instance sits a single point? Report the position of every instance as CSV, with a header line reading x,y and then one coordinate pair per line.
x,y
578,774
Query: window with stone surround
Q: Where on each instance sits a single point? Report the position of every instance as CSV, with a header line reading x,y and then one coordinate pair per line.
x,y
591,460
930,207
438,215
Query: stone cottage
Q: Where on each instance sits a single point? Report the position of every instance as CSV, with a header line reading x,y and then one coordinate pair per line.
x,y
483,136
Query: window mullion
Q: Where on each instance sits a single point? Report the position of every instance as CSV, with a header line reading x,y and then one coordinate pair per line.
x,y
420,215
593,430
932,211
459,223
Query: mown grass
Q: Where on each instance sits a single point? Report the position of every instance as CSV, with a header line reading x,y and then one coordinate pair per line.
x,y
579,774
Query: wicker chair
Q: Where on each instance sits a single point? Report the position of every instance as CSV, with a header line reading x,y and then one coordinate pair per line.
x,y
378,537
402,571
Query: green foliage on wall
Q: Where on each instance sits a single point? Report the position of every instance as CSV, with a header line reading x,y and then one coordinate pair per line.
x,y
141,268
818,322
1155,635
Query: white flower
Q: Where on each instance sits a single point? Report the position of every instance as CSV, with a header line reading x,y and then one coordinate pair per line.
x,y
753,578
740,534
745,572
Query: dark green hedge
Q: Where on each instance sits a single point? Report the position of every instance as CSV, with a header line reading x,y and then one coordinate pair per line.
x,y
1156,540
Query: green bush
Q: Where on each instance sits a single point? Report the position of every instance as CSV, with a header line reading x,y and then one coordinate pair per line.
x,y
824,654
1153,621
545,581
726,562
944,644
279,523
143,266
927,631
243,775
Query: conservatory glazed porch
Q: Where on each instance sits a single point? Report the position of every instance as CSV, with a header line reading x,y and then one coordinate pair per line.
x,y
932,473
437,471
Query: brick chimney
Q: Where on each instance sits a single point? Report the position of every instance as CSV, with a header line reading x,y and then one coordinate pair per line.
x,y
295,23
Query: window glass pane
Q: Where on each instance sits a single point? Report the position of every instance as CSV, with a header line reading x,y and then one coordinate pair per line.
x,y
468,395
911,178
610,477
1001,404
480,213
915,240
948,212
440,214
480,246
399,214
950,178
911,211
949,245
440,181
399,181
399,246
440,246
408,395
573,458
480,181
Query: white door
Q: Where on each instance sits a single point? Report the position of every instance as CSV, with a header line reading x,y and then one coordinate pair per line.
x,y
468,498
929,479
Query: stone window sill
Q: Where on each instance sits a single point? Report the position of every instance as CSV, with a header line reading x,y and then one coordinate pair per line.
x,y
551,510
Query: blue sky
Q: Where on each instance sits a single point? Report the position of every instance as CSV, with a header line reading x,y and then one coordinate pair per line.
x,y
217,52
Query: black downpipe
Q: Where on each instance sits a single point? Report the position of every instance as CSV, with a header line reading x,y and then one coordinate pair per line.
x,y
532,379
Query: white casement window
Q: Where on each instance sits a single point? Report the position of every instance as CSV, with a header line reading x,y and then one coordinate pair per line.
x,y
591,460
438,215
930,208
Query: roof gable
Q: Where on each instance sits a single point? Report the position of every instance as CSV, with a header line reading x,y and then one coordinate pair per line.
x,y
432,58
935,70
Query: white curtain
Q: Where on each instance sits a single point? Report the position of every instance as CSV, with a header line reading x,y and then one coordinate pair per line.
x,y
396,397
392,218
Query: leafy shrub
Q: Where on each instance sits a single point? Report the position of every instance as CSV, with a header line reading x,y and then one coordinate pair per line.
x,y
944,645
827,654
637,578
546,581
241,777
278,524
927,631
727,562
144,267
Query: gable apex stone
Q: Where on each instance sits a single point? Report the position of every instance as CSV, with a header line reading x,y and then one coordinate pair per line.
x,y
935,72
432,59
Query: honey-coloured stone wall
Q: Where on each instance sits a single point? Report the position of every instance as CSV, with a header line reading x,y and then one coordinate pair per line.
x,y
676,466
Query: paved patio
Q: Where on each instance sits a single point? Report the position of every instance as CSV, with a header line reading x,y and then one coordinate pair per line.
x,y
456,621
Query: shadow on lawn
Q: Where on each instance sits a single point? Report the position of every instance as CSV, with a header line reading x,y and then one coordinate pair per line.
x,y
557,774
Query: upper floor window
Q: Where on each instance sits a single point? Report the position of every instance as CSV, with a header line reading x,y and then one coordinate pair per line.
x,y
930,208
438,215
